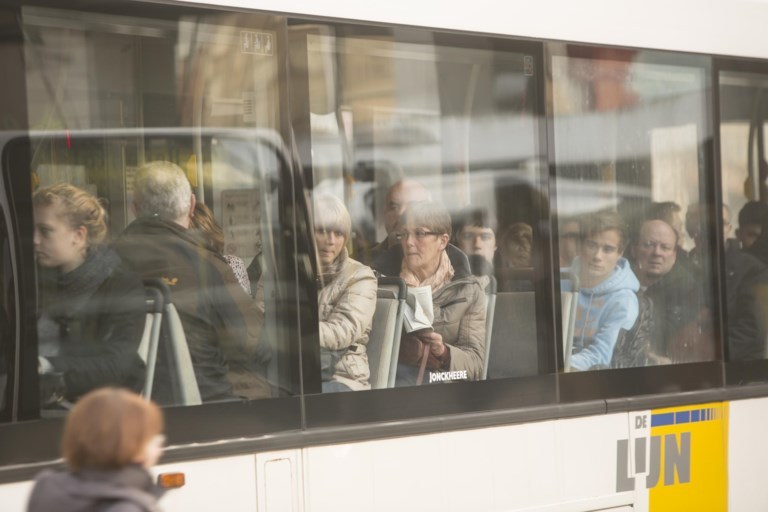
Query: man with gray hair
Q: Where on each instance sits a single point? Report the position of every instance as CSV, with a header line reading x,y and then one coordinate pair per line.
x,y
221,323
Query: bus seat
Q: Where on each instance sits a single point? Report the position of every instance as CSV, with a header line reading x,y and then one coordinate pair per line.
x,y
384,338
569,303
514,351
182,371
490,290
150,339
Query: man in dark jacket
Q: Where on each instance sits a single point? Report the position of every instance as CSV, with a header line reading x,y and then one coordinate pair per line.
x,y
221,323
682,323
746,281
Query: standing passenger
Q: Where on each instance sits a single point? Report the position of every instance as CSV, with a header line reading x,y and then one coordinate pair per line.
x,y
607,300
92,310
347,300
111,439
221,323
399,196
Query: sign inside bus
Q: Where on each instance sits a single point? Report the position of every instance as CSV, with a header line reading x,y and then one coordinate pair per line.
x,y
678,454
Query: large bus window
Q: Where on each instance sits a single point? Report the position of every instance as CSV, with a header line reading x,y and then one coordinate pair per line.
x,y
744,169
634,208
430,147
157,168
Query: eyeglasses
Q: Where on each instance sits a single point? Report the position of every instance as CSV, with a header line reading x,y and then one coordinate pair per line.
x,y
471,237
419,235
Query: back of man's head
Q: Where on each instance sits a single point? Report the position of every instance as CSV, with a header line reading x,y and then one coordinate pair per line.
x,y
161,189
753,213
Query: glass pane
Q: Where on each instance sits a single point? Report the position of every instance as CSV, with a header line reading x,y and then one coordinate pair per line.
x,y
429,145
743,116
156,164
630,128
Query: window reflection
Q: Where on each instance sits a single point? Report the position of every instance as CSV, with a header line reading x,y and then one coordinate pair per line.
x,y
629,131
198,98
743,114
409,118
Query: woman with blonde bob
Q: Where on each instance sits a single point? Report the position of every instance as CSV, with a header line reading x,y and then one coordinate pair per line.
x,y
346,298
111,439
92,310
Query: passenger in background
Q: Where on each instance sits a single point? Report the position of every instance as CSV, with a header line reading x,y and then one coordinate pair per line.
x,y
204,221
455,346
515,248
669,212
750,222
111,439
607,302
221,323
746,283
475,234
682,323
92,311
399,196
569,240
347,301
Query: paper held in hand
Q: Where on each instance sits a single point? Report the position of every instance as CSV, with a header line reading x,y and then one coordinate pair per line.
x,y
418,314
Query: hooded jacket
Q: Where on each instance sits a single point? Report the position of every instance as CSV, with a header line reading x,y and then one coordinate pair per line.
x,y
221,323
129,489
603,311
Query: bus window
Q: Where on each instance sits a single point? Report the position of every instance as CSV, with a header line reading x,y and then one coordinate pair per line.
x,y
743,119
157,167
431,146
634,208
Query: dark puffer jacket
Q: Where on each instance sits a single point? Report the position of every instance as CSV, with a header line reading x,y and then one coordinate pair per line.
x,y
90,324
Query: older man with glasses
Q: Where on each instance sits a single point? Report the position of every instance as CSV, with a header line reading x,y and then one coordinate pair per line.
x,y
682,321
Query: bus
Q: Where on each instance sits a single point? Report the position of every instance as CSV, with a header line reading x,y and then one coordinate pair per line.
x,y
539,114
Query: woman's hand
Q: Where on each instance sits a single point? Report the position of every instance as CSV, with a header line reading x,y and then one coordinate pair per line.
x,y
435,342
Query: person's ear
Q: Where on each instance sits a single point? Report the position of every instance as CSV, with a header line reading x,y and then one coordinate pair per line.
x,y
444,241
192,203
81,235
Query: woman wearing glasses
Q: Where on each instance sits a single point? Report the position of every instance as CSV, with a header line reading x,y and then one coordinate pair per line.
x,y
454,347
346,298
111,439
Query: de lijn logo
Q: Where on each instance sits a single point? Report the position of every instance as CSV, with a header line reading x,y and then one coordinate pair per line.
x,y
676,448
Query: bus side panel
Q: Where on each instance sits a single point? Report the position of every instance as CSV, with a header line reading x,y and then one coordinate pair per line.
x,y
747,456
566,463
685,458
227,483
14,496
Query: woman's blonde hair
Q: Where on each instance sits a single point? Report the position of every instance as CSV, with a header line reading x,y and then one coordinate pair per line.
x,y
330,212
77,208
108,429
